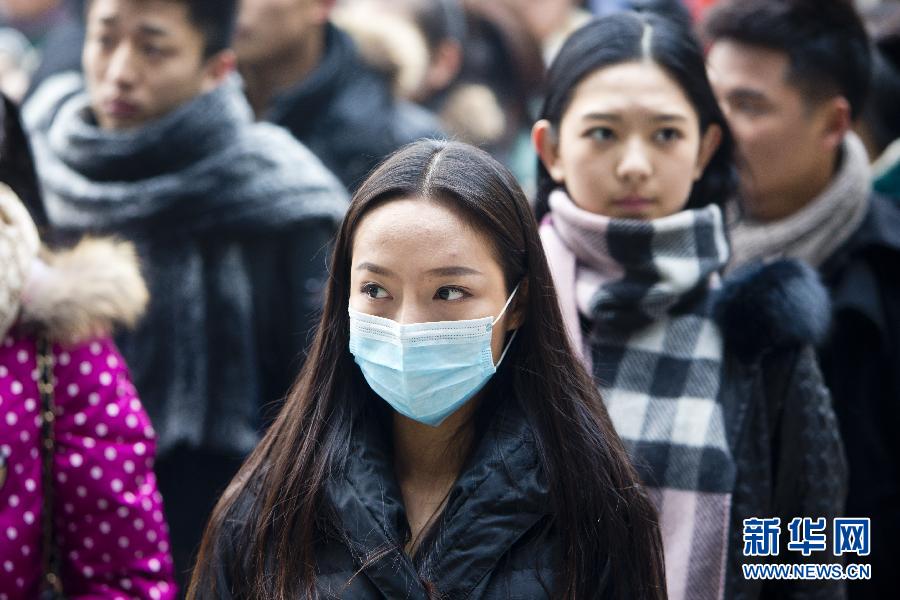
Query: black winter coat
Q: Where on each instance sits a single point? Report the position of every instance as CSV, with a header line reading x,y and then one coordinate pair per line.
x,y
493,540
782,429
345,112
861,362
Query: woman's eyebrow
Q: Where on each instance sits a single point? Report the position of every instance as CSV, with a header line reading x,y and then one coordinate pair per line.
x,y
593,116
378,270
665,118
453,271
615,118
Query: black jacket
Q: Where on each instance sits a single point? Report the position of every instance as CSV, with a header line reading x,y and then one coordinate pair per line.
x,y
344,111
781,425
493,540
861,362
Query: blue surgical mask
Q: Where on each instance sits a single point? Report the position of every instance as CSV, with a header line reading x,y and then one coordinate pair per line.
x,y
425,371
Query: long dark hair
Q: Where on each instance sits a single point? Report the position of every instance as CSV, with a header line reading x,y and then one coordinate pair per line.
x,y
609,538
17,163
619,38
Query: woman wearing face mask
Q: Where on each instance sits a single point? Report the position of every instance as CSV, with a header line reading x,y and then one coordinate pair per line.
x,y
712,385
466,453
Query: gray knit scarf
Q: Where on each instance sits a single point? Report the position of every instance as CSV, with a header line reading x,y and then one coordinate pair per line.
x,y
815,232
640,292
197,168
190,189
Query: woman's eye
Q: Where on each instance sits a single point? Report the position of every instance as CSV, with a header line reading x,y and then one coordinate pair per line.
x,y
667,134
450,293
601,134
374,291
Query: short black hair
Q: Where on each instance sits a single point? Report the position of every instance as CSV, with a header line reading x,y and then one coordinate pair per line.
x,y
826,42
215,19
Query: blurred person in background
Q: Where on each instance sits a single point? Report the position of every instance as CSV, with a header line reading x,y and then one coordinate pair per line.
x,y
712,384
483,69
503,59
305,74
54,28
34,18
879,124
440,26
157,144
551,21
791,76
89,470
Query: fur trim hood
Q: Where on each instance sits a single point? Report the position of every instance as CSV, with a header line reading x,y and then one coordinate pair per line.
x,y
84,292
762,307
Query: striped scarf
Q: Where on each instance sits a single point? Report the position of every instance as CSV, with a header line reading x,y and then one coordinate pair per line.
x,y
634,295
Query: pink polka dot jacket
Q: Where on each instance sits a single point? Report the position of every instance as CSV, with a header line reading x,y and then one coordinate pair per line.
x,y
110,528
111,533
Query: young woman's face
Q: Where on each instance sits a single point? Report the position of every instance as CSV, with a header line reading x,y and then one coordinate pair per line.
x,y
417,261
629,144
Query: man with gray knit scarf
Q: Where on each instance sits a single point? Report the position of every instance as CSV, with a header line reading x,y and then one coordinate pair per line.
x,y
792,75
231,219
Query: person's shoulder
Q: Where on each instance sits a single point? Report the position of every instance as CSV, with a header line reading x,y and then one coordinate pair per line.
x,y
764,307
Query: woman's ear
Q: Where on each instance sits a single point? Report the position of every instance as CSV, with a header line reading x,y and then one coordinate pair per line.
x,y
709,143
517,307
546,142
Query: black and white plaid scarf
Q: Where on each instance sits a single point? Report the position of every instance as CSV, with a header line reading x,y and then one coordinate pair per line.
x,y
636,299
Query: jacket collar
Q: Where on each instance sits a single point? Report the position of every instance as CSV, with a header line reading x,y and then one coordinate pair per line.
x,y
500,495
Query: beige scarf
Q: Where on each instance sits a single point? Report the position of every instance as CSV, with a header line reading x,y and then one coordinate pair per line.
x,y
815,232
18,250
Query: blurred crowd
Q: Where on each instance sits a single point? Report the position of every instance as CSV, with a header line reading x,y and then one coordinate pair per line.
x,y
215,146
471,70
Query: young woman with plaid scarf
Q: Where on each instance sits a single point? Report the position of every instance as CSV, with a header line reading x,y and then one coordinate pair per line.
x,y
712,384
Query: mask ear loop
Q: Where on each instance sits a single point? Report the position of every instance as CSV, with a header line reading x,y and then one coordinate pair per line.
x,y
505,350
515,331
508,300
